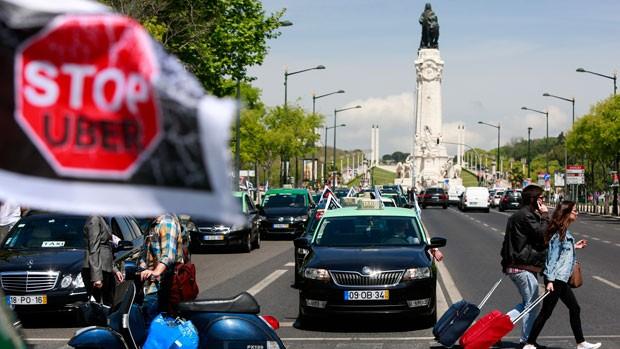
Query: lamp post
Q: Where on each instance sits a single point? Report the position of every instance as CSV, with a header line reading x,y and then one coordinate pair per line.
x,y
284,173
572,100
529,160
546,114
325,147
612,77
336,111
314,98
614,209
498,127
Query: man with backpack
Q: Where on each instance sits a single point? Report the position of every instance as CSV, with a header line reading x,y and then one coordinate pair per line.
x,y
163,251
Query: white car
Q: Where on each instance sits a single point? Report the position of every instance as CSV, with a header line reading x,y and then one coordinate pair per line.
x,y
497,197
475,198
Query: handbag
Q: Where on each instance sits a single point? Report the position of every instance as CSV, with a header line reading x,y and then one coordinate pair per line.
x,y
170,333
184,287
576,279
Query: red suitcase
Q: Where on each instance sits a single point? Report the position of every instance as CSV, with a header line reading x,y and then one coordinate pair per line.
x,y
492,327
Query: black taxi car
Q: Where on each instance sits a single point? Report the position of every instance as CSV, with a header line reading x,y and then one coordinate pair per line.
x,y
41,260
368,260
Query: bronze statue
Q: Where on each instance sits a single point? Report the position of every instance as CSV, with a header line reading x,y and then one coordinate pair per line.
x,y
430,28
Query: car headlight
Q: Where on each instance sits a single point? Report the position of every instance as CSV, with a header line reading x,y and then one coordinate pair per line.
x,y
78,282
66,281
417,273
301,218
236,227
316,274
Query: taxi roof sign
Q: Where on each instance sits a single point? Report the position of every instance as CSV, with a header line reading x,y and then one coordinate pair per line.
x,y
365,204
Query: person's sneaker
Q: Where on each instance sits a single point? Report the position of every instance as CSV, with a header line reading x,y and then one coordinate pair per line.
x,y
587,345
532,346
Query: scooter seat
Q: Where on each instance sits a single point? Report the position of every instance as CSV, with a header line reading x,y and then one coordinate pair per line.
x,y
241,303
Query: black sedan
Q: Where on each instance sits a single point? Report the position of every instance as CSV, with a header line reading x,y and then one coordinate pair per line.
x,y
511,200
41,260
215,234
369,262
434,197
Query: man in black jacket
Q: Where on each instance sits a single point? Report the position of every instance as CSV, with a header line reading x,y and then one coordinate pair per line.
x,y
524,251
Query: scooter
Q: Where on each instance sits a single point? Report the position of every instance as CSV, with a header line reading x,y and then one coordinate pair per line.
x,y
221,323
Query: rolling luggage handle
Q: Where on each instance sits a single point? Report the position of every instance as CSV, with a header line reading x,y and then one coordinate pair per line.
x,y
530,307
486,298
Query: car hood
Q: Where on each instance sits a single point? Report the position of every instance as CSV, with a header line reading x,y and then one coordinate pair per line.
x,y
37,260
356,258
285,211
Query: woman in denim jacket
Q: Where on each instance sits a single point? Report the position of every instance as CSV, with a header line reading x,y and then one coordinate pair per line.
x,y
558,269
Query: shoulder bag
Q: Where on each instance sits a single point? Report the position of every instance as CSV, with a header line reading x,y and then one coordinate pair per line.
x,y
575,278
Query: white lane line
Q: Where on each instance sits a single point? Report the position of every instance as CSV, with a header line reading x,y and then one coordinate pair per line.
x,y
607,282
486,225
266,281
47,339
442,303
453,291
597,239
586,236
287,324
495,229
607,241
289,264
618,245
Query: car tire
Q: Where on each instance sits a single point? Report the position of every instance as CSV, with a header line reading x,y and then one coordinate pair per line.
x,y
501,209
256,243
246,246
487,210
429,320
424,206
302,320
445,207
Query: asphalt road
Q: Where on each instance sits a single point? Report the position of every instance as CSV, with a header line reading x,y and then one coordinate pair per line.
x,y
470,268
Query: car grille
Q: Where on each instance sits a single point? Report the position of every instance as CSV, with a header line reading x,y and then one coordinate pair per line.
x,y
353,278
29,281
216,229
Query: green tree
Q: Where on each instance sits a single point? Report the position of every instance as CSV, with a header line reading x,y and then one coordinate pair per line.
x,y
217,40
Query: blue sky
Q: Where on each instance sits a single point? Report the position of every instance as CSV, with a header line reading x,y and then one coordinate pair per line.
x,y
499,56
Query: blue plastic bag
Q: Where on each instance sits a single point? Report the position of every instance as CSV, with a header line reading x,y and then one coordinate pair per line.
x,y
170,333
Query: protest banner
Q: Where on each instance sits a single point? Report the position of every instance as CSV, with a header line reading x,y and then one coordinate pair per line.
x,y
95,117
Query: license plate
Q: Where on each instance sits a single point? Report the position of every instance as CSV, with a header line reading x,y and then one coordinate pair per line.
x,y
366,295
280,226
26,300
473,203
214,237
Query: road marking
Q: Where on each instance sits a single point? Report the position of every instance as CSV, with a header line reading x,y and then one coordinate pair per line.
x,y
607,241
453,291
289,264
586,236
618,245
48,339
607,282
266,281
495,229
442,303
597,239
287,324
486,225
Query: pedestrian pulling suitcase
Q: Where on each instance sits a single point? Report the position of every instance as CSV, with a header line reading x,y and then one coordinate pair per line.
x,y
458,318
492,327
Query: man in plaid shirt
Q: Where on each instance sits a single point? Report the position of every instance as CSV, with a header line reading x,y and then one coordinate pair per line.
x,y
163,250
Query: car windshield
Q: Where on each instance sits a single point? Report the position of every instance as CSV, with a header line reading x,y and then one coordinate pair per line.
x,y
285,200
434,191
367,231
47,233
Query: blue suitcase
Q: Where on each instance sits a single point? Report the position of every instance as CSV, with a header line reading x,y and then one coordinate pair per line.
x,y
457,319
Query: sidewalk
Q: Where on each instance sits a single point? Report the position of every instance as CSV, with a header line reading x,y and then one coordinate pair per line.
x,y
596,210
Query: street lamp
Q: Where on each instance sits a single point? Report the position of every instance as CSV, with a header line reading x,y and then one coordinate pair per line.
x,y
498,127
546,114
325,147
529,161
336,111
614,78
284,172
287,74
314,98
572,100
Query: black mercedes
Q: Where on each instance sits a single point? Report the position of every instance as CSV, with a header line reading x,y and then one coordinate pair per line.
x,y
41,260
369,261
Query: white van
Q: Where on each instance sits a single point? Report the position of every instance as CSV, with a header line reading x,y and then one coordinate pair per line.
x,y
475,198
454,193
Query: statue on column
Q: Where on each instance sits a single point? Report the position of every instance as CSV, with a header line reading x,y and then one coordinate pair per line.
x,y
430,28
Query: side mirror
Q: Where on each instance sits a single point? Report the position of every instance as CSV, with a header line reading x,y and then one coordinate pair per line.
x,y
437,242
124,245
302,242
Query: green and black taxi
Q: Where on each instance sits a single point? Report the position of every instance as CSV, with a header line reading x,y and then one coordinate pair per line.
x,y
368,259
285,211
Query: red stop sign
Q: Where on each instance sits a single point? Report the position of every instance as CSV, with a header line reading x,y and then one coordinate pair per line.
x,y
85,95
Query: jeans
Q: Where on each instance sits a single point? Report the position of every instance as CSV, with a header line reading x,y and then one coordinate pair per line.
x,y
527,284
150,308
562,291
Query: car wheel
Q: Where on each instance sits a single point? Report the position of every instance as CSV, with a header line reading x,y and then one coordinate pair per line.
x,y
445,207
247,243
501,209
487,210
256,243
430,320
424,206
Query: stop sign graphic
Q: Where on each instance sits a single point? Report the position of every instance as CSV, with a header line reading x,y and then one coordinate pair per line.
x,y
84,95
